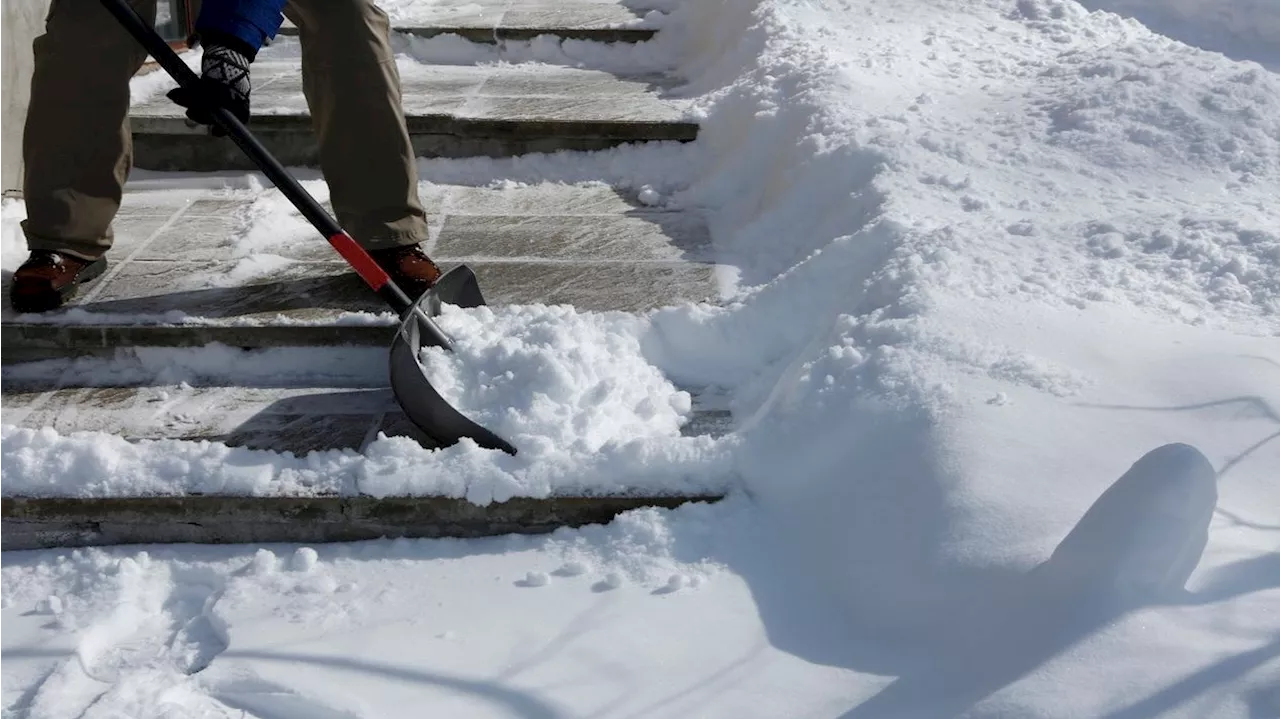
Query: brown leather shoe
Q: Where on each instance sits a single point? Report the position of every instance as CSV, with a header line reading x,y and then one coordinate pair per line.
x,y
409,267
48,279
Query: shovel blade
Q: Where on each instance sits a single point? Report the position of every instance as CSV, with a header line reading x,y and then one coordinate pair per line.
x,y
458,287
421,403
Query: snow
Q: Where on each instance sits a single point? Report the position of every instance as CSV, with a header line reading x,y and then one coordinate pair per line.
x,y
639,58
1240,29
13,245
1002,360
304,559
386,628
535,579
595,387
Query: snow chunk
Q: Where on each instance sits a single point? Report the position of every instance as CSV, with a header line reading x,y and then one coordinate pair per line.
x,y
572,569
51,604
612,580
535,579
649,196
304,559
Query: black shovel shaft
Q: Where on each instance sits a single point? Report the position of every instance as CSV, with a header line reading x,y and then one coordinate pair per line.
x,y
353,253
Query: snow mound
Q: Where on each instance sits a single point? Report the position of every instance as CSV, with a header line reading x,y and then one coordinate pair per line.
x,y
553,380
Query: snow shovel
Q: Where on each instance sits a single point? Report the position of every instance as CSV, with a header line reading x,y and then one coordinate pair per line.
x,y
417,397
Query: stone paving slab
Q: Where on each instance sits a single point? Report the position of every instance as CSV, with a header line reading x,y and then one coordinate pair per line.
x,y
42,523
176,256
492,21
450,110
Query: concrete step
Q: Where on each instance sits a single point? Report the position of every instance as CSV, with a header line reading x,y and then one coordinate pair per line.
x,y
294,418
492,21
451,111
183,275
42,523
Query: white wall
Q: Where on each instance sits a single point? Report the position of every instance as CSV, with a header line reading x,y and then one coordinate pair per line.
x,y
21,23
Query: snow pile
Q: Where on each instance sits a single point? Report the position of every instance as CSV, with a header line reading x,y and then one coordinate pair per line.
x,y
156,82
591,385
1240,29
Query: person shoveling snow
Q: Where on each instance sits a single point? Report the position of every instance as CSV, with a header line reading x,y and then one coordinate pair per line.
x,y
374,188
77,160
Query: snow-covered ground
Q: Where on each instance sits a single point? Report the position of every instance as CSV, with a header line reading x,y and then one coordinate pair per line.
x,y
1239,29
993,256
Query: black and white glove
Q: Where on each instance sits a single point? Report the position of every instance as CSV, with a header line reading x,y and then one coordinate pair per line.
x,y
224,81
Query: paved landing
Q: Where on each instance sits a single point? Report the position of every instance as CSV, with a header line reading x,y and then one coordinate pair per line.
x,y
451,111
191,267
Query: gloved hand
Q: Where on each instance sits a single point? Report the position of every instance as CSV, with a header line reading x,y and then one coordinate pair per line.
x,y
224,81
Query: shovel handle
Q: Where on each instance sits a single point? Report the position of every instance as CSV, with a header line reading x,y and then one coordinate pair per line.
x,y
352,252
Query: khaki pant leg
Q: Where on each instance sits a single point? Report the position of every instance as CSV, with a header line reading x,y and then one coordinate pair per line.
x,y
77,148
352,87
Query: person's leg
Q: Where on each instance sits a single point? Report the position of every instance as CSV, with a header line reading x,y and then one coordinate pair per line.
x,y
352,87
76,147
